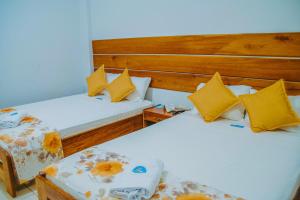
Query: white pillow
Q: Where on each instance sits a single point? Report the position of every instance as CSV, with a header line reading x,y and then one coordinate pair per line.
x,y
141,85
109,78
237,113
295,102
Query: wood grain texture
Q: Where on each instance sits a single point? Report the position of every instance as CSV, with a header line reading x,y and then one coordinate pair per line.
x,y
7,173
105,133
188,82
257,44
49,191
263,68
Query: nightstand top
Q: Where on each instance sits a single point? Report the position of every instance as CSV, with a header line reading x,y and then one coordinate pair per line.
x,y
160,111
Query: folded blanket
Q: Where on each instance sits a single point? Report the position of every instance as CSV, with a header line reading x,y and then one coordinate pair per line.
x,y
11,119
33,145
138,180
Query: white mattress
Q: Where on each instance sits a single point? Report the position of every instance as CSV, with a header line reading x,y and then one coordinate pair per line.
x,y
79,113
262,166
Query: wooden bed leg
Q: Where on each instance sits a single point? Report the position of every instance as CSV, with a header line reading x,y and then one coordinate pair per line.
x,y
8,175
40,187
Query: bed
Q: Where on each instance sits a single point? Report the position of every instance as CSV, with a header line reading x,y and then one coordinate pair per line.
x,y
228,158
78,118
180,63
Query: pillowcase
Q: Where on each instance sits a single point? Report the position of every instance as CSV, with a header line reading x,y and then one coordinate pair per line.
x,y
269,108
237,112
213,99
295,102
96,82
141,85
121,87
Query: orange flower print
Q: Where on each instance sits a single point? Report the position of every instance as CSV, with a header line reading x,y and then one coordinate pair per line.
x,y
28,119
51,170
88,194
52,142
21,142
193,197
7,110
6,139
107,168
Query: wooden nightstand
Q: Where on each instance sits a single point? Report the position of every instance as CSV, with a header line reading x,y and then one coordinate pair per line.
x,y
154,115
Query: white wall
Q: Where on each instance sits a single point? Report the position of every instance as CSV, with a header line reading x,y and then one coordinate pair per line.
x,y
140,18
44,49
134,18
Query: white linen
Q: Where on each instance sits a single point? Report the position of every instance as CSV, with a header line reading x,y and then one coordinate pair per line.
x,y
11,119
79,113
237,112
141,86
254,166
138,185
295,102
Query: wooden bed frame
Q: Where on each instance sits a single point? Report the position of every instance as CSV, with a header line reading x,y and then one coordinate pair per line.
x,y
72,145
180,63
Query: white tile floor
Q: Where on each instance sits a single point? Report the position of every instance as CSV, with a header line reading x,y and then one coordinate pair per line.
x,y
28,192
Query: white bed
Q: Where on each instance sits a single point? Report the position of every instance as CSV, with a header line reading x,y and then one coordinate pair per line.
x,y
263,166
80,113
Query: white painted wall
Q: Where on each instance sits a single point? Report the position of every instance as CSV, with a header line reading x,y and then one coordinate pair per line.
x,y
44,49
138,18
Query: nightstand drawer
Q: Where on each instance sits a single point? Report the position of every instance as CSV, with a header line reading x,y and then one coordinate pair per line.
x,y
154,117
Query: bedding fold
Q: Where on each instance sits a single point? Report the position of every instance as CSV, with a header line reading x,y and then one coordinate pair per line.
x,y
33,145
138,180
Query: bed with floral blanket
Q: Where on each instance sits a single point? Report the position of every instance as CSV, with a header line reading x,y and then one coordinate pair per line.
x,y
219,155
90,174
32,145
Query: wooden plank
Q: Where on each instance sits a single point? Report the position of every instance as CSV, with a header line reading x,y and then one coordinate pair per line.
x,y
8,173
105,133
257,44
246,67
188,82
49,191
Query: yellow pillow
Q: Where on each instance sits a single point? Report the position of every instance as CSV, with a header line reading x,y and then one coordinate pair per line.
x,y
96,82
213,99
269,108
121,87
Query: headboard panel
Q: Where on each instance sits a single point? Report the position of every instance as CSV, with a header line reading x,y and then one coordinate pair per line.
x,y
181,62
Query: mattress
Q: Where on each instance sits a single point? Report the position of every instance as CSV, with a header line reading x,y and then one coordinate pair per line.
x,y
75,114
263,166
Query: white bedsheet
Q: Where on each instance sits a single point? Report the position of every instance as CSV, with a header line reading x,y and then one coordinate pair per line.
x,y
79,113
234,160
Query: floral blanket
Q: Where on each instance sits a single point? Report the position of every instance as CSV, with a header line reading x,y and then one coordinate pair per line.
x,y
32,145
89,174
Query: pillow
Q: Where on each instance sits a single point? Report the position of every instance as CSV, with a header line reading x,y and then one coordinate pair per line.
x,y
269,108
109,77
295,101
213,99
238,111
121,87
141,85
96,82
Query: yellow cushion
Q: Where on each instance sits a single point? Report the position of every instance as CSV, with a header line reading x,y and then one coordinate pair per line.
x,y
96,82
213,99
121,87
269,108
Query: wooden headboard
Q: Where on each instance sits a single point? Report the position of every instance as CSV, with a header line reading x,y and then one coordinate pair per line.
x,y
182,62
